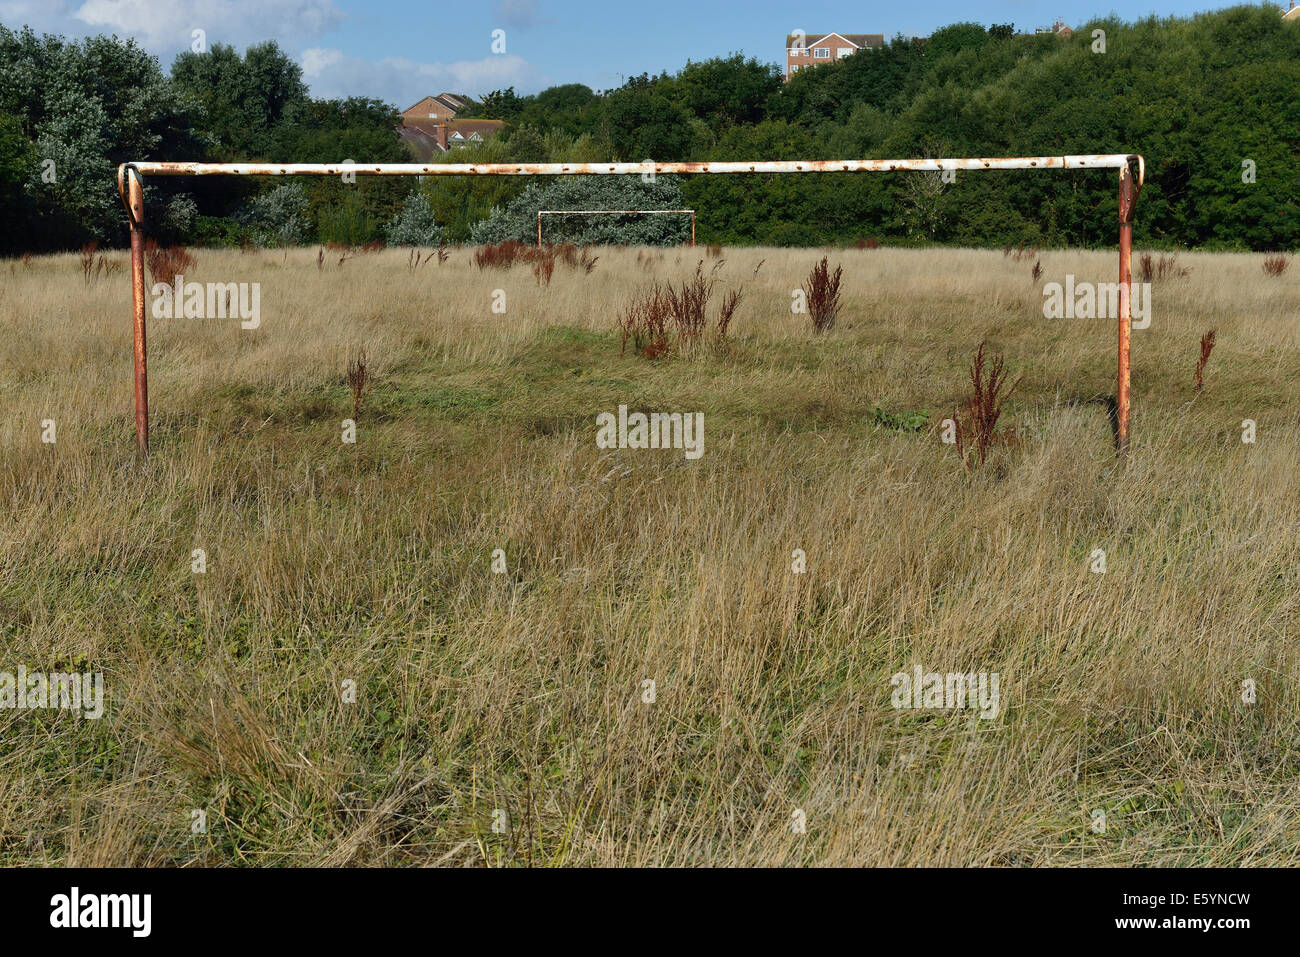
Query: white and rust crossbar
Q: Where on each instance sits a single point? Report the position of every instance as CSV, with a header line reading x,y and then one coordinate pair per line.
x,y
1081,161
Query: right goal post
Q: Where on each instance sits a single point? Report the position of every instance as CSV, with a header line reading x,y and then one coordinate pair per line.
x,y
610,212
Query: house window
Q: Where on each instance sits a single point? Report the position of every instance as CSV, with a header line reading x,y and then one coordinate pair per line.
x,y
844,51
821,53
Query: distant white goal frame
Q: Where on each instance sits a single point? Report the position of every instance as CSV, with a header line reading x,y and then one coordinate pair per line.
x,y
1131,167
610,212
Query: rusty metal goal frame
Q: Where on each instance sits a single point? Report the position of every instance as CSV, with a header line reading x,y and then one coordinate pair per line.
x,y
609,212
130,186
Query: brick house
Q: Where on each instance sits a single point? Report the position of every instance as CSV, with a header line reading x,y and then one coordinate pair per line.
x,y
444,106
1293,13
432,126
817,48
1059,28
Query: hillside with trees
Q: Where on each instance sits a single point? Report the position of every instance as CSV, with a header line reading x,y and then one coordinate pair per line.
x,y
1209,100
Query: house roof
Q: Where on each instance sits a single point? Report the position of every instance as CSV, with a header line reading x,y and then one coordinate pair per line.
x,y
467,127
452,101
424,126
859,40
417,104
422,137
421,143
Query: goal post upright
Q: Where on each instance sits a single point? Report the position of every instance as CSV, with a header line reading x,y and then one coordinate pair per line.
x,y
1131,167
610,212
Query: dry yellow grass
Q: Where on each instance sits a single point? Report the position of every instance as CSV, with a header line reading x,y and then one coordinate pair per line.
x,y
522,691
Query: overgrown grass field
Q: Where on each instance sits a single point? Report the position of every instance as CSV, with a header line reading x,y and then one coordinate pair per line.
x,y
523,691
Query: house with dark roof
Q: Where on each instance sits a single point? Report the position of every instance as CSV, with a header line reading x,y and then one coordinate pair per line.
x,y
434,125
813,49
425,138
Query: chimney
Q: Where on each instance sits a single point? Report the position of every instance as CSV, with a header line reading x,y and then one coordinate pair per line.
x,y
440,131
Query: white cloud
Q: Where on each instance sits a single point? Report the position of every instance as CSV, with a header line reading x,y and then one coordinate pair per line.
x,y
333,73
167,23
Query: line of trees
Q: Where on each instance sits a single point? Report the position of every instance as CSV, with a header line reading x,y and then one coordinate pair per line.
x,y
1209,100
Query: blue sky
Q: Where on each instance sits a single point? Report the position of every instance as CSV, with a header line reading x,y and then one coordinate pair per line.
x,y
400,50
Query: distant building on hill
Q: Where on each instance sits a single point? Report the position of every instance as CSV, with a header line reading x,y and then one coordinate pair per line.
x,y
813,49
427,137
433,125
1059,28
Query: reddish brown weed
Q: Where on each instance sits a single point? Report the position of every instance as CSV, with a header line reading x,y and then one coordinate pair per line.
x,y
976,422
1207,346
822,291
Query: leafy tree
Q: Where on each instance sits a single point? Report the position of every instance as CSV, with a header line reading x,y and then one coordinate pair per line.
x,y
277,217
415,224
84,108
727,92
642,121
501,105
571,108
243,100
17,159
955,38
518,219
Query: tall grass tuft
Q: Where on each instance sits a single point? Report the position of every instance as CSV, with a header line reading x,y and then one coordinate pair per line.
x,y
359,381
977,420
822,288
544,265
505,254
681,310
167,262
727,310
1166,267
88,259
1207,346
